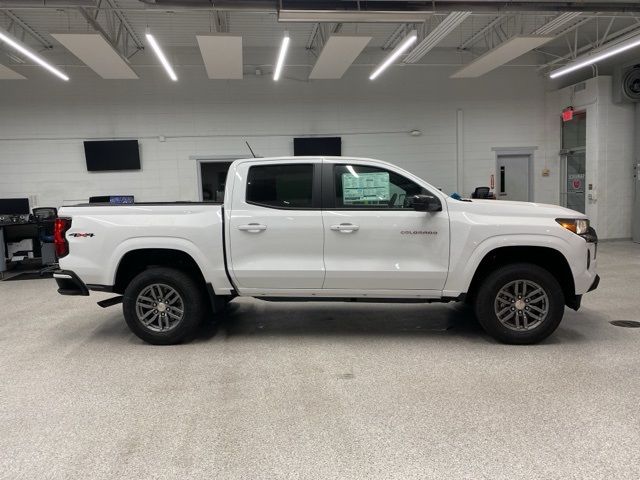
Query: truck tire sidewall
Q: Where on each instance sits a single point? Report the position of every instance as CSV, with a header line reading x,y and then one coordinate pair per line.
x,y
187,288
484,303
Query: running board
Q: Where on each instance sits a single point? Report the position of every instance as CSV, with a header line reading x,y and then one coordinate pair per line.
x,y
356,299
110,302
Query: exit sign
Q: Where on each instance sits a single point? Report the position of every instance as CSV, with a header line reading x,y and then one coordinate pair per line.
x,y
567,114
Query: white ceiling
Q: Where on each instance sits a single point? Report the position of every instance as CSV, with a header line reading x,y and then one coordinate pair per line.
x,y
261,29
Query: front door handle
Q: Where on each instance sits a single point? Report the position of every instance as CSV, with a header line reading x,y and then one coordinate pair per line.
x,y
252,227
345,228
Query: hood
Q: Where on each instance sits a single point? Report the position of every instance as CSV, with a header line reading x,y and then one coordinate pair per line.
x,y
508,208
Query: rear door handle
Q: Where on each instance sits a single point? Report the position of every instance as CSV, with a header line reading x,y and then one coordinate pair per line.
x,y
345,228
252,227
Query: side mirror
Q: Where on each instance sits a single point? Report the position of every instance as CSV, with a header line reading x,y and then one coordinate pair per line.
x,y
426,203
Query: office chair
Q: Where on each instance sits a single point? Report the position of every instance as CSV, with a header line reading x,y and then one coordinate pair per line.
x,y
45,213
481,192
45,218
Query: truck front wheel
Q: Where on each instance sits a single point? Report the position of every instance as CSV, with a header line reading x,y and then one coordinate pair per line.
x,y
520,304
163,306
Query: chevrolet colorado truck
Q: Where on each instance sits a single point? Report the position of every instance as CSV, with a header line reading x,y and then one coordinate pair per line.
x,y
350,229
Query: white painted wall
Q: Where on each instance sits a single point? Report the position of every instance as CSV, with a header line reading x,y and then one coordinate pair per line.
x,y
43,123
609,152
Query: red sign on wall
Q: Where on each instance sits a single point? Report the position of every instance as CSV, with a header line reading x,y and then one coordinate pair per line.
x,y
567,114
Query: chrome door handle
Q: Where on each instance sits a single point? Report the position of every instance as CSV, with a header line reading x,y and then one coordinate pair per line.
x,y
252,227
345,228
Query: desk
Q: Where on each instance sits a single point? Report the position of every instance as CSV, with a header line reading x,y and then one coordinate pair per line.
x,y
10,232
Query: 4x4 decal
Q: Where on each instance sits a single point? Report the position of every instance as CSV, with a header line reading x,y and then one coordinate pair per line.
x,y
81,235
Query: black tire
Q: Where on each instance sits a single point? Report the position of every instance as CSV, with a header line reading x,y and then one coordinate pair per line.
x,y
191,299
487,306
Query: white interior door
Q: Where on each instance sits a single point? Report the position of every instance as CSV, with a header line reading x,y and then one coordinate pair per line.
x,y
513,177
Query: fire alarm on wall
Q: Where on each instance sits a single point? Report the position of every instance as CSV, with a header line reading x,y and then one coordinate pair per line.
x,y
567,114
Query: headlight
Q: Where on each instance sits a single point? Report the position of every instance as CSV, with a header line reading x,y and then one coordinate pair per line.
x,y
579,226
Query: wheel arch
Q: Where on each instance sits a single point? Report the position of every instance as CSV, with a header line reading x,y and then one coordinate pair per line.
x,y
548,258
138,260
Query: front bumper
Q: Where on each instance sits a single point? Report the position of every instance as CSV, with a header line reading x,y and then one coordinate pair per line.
x,y
69,283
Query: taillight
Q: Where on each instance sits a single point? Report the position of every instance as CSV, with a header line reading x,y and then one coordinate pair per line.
x,y
60,227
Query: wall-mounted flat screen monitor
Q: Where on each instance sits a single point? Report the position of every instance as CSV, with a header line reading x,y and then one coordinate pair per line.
x,y
113,199
110,155
14,206
325,146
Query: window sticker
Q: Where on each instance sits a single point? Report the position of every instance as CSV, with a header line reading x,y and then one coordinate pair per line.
x,y
365,188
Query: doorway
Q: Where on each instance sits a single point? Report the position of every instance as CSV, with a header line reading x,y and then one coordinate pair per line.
x,y
573,169
513,171
212,177
573,172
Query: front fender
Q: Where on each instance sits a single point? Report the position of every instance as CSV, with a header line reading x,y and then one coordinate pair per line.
x,y
465,266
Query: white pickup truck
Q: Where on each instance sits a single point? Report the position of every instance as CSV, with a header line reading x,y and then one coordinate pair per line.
x,y
302,228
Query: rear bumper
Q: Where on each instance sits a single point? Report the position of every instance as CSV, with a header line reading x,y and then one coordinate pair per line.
x,y
69,283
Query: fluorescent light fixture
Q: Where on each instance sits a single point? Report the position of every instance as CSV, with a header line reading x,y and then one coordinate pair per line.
x,y
160,54
443,29
7,74
399,50
503,53
353,16
222,55
595,57
281,56
11,41
97,54
338,53
556,23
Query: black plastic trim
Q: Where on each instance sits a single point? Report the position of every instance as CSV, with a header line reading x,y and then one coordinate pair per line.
x,y
217,302
224,250
590,236
110,302
595,284
95,287
356,299
574,302
71,286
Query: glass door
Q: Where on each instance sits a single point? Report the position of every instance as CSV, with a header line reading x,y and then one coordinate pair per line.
x,y
572,162
572,191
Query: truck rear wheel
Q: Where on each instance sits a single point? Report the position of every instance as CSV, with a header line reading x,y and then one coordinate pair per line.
x,y
163,306
520,304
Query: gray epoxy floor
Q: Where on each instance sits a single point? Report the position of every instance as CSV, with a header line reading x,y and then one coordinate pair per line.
x,y
320,391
